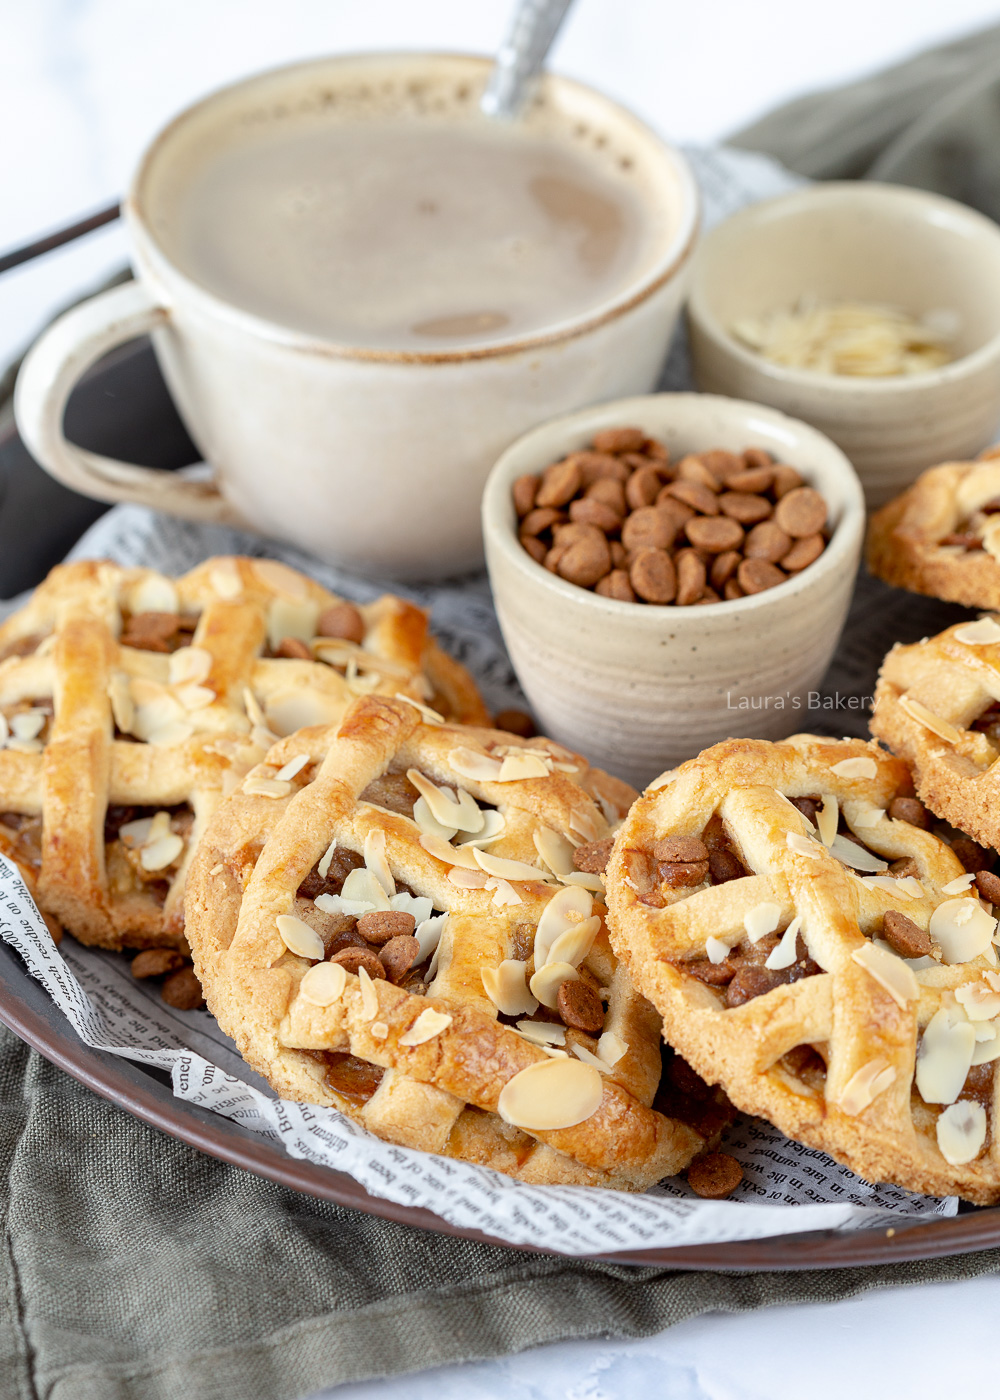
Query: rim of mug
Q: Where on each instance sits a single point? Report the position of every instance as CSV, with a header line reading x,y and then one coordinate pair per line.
x,y
678,251
814,197
500,520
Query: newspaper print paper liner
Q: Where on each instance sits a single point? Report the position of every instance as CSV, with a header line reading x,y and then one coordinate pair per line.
x,y
110,1011
787,1188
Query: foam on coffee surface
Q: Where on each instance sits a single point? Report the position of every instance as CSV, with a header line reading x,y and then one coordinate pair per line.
x,y
391,215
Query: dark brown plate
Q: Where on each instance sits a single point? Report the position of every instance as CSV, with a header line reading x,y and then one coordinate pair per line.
x,y
122,409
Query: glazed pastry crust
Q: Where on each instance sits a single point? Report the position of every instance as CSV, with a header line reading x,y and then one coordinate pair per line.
x,y
440,1096
958,777
841,1012
905,537
63,649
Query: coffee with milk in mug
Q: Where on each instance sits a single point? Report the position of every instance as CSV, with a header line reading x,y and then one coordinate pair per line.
x,y
409,229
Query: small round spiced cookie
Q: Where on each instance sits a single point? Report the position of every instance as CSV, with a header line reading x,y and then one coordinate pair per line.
x,y
942,536
390,918
129,701
818,953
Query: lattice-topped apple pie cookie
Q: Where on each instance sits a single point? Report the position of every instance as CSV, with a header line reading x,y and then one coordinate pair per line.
x,y
937,705
819,954
130,702
942,536
403,919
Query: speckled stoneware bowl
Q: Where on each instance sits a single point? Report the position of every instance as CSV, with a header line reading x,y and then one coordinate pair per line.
x,y
637,687
870,243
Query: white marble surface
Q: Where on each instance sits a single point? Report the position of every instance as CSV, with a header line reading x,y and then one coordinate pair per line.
x,y
83,84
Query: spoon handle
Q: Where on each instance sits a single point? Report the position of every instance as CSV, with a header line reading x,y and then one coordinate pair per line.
x,y
522,54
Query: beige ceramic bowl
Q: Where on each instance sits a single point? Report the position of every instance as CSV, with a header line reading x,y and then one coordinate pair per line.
x,y
635,687
870,243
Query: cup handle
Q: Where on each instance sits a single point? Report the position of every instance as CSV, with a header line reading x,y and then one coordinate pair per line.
x,y
51,369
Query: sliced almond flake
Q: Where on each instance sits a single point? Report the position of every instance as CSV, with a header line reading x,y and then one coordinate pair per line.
x,y
506,869
292,768
553,1053
429,824
585,879
568,907
861,767
122,705
428,935
266,787
290,710
369,996
784,954
137,833
176,732
941,727
611,1048
761,920
961,885
462,856
299,938
504,893
477,767
993,980
272,573
908,886
195,697
554,850
155,714
378,1030
494,826
323,984
547,980
461,812
226,579
573,945
323,868
553,1094
890,972
5,729
25,745
961,1132
867,815
518,768
159,854
803,845
430,716
468,879
294,618
542,1032
507,988
855,856
263,738
987,1047
419,905
254,713
362,886
375,860
983,632
586,825
962,928
189,664
427,1025
717,949
664,780
826,819
363,685
153,593
28,724
217,869
588,1057
991,538
980,1002
865,1085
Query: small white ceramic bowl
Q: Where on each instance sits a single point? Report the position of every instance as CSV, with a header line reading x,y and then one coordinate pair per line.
x,y
870,243
635,687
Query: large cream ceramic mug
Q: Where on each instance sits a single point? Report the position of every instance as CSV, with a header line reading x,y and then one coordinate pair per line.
x,y
370,454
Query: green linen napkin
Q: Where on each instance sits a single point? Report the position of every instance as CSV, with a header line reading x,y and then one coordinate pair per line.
x,y
135,1268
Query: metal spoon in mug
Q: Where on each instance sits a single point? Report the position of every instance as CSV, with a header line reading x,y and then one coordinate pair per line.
x,y
522,54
